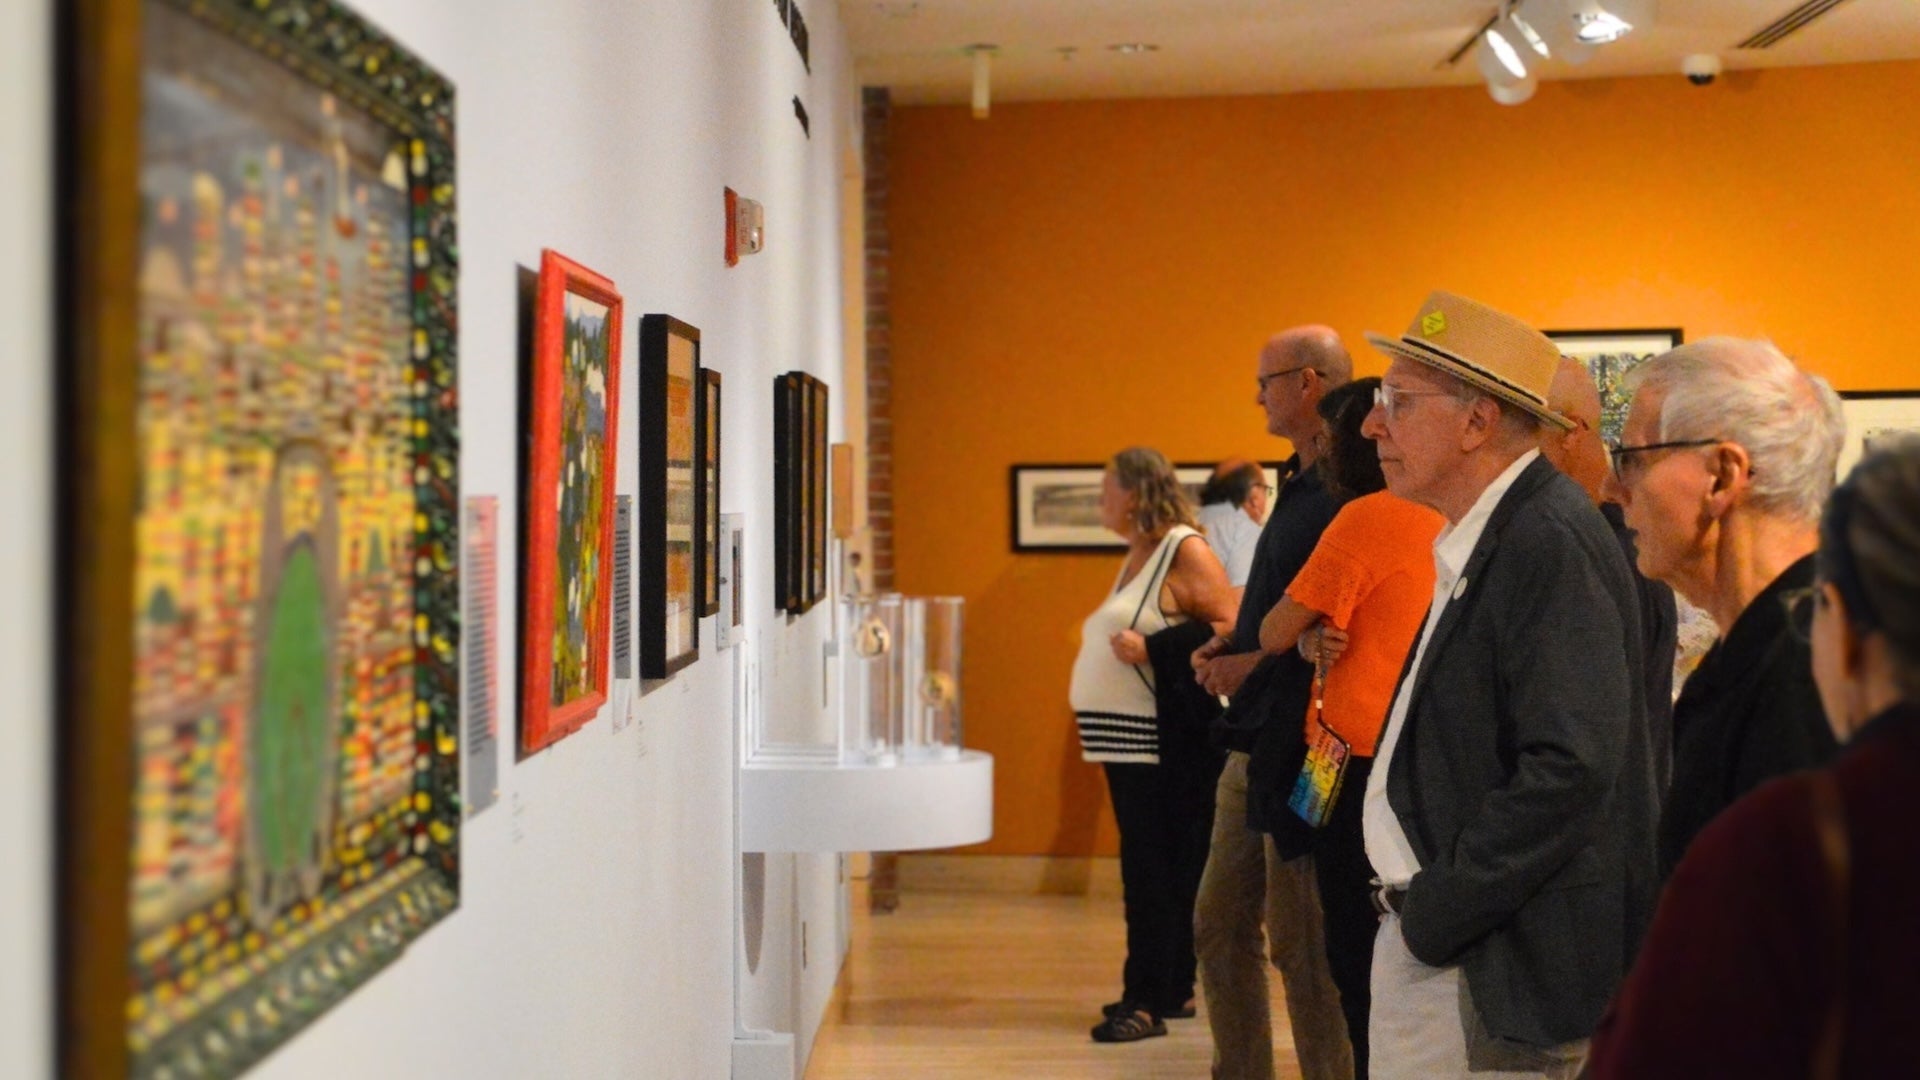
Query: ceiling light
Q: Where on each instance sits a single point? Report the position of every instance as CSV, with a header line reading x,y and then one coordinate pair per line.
x,y
1499,60
1514,93
982,78
1598,22
1517,29
1554,23
1128,48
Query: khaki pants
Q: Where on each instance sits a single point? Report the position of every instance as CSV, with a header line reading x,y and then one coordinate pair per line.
x,y
1420,1019
1245,878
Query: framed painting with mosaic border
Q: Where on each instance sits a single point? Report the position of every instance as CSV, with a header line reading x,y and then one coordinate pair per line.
x,y
670,502
259,524
1608,355
574,423
712,557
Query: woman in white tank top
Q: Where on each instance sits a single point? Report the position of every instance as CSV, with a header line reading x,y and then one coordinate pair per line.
x,y
1165,580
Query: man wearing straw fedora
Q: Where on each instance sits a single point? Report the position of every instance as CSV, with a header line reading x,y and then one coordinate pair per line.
x,y
1511,807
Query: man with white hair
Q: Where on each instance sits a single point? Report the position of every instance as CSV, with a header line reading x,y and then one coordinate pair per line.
x,y
1510,811
1724,464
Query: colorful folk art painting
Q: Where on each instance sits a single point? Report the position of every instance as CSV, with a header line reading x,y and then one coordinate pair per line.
x,y
291,601
569,500
582,494
1608,356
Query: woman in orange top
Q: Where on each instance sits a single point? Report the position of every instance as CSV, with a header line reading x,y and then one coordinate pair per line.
x,y
1368,583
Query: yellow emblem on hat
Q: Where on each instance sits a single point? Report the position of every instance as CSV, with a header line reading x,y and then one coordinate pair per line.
x,y
1433,323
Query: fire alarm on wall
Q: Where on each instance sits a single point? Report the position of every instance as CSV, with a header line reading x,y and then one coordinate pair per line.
x,y
746,226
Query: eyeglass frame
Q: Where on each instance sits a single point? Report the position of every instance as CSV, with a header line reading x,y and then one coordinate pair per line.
x,y
1801,605
1387,398
1615,452
1264,380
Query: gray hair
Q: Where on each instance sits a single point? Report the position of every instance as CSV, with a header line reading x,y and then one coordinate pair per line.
x,y
1516,425
1750,393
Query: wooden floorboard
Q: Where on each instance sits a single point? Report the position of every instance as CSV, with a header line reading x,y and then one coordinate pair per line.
x,y
971,981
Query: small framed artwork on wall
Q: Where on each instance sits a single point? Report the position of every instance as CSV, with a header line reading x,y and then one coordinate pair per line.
x,y
670,389
574,413
711,556
817,470
1608,356
1874,418
789,522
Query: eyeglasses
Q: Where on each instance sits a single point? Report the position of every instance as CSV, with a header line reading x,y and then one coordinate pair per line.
x,y
1263,380
1268,488
1801,604
1622,456
1393,399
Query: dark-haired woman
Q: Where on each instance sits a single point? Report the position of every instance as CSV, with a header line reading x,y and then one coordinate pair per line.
x,y
1369,580
1787,942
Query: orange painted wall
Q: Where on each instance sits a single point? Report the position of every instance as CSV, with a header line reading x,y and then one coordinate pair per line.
x,y
1072,278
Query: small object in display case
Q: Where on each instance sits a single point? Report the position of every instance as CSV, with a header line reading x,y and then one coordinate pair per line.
x,y
733,612
873,681
931,694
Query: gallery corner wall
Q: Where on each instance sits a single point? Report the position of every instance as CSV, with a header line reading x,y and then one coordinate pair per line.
x,y
1069,279
598,932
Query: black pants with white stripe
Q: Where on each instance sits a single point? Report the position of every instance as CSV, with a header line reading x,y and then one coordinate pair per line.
x,y
1165,813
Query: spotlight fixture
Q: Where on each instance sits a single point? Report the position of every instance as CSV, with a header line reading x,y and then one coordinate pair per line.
x,y
1518,31
1598,22
1499,61
1553,22
1514,93
982,78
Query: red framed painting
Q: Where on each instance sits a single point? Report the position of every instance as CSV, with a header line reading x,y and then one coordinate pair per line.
x,y
574,408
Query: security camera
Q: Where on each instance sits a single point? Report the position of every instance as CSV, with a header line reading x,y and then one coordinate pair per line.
x,y
1701,68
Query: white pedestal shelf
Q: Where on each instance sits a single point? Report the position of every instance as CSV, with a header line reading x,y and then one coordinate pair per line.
x,y
799,802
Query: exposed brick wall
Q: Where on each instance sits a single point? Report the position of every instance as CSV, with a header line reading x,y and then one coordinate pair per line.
x,y
877,104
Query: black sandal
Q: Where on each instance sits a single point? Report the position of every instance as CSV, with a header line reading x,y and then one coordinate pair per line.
x,y
1185,1012
1132,1025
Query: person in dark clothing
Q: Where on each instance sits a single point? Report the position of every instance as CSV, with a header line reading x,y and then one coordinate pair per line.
x,y
1785,944
1245,883
1579,453
1727,455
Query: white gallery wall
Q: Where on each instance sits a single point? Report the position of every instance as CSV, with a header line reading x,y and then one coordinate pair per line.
x,y
599,927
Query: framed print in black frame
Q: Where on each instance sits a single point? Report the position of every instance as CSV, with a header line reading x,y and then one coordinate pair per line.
x,y
669,496
817,469
1608,356
709,562
1875,417
789,533
1055,509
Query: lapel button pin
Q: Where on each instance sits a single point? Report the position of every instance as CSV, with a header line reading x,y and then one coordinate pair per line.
x,y
1460,588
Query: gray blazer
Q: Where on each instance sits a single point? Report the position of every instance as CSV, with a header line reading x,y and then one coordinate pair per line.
x,y
1524,775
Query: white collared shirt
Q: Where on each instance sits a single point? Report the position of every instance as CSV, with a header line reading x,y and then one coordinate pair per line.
x,y
1387,847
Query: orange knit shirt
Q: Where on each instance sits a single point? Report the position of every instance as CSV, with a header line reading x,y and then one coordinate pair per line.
x,y
1372,576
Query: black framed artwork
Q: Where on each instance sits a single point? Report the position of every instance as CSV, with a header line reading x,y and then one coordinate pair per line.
x,y
817,469
1055,509
670,496
1876,418
788,431
711,556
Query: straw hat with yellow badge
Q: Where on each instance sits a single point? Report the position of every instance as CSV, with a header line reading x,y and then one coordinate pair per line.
x,y
1486,349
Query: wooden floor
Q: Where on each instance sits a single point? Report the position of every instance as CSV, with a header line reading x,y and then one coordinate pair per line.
x,y
997,979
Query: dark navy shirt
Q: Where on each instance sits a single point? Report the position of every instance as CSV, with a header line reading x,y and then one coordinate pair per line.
x,y
1300,514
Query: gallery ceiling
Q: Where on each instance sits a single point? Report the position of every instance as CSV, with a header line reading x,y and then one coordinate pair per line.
x,y
1062,49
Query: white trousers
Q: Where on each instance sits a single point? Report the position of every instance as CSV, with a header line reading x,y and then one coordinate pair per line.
x,y
1417,1029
